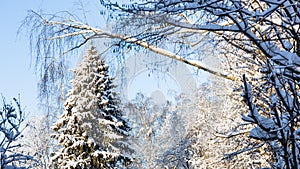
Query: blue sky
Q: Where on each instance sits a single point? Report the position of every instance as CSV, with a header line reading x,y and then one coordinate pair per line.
x,y
16,70
17,77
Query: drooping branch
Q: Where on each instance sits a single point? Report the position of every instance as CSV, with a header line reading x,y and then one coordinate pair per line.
x,y
67,29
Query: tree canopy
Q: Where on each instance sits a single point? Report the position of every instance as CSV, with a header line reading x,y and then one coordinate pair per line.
x,y
262,35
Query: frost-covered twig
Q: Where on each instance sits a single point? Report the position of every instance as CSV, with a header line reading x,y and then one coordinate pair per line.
x,y
11,120
252,148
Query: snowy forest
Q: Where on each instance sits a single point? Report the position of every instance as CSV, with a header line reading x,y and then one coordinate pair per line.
x,y
243,58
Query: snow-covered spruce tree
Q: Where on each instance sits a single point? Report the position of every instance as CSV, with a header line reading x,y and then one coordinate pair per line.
x,y
91,128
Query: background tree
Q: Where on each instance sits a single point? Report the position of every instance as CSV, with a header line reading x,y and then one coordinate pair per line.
x,y
153,126
37,140
91,129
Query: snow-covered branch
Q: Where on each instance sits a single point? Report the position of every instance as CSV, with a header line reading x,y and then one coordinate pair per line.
x,y
71,29
11,128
